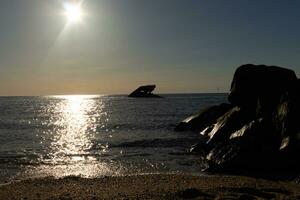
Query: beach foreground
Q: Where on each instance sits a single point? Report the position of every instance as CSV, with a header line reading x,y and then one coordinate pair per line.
x,y
154,186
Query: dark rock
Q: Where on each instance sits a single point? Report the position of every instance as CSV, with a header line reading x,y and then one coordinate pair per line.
x,y
231,121
289,153
251,147
259,132
201,120
286,115
144,91
260,84
200,148
224,157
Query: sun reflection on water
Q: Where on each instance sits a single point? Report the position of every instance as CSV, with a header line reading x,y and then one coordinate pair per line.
x,y
72,138
74,120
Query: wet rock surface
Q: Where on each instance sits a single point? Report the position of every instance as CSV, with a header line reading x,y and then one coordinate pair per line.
x,y
259,130
201,120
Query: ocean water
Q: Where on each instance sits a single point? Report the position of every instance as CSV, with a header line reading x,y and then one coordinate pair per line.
x,y
92,136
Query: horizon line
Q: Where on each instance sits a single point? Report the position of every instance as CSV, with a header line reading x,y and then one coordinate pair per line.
x,y
53,95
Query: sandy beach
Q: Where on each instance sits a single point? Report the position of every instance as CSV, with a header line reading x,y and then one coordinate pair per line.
x,y
153,186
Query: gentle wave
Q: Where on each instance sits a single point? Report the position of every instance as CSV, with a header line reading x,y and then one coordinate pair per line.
x,y
68,135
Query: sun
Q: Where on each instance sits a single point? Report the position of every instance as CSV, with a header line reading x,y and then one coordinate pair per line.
x,y
73,12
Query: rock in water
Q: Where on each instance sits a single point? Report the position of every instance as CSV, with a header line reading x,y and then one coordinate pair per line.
x,y
231,121
144,91
287,123
252,147
253,84
260,130
286,115
201,120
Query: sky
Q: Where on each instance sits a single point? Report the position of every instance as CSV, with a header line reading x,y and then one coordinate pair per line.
x,y
182,46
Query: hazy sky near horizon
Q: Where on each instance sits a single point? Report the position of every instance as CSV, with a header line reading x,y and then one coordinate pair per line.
x,y
179,45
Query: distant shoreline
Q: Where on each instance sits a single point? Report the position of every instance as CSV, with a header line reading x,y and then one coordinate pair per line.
x,y
152,186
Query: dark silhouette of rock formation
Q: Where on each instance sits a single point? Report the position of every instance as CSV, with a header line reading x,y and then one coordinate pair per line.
x,y
260,128
144,91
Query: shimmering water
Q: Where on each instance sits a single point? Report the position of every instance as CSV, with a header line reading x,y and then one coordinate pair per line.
x,y
91,136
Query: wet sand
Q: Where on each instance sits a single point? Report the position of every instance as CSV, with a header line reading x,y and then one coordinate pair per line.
x,y
154,186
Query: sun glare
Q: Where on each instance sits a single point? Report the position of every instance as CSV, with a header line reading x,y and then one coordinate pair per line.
x,y
73,12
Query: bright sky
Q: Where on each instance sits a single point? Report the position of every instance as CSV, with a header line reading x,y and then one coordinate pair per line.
x,y
116,45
